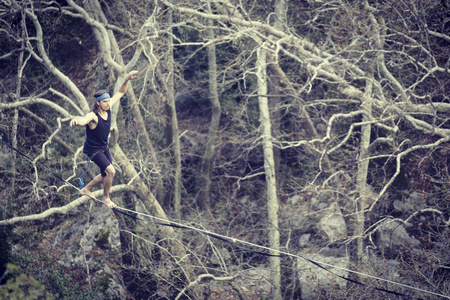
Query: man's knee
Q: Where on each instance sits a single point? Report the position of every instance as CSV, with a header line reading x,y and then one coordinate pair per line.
x,y
110,171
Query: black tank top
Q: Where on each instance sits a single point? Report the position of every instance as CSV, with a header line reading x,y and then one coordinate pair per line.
x,y
97,139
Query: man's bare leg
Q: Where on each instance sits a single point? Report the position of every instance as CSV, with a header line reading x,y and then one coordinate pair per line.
x,y
107,183
95,182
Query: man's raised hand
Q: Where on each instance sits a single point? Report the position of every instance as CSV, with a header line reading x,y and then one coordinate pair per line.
x,y
132,75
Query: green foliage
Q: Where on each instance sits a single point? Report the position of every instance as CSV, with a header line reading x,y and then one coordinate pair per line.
x,y
62,283
5,245
316,219
21,286
101,239
103,284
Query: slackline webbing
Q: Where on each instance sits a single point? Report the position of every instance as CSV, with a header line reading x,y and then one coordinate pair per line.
x,y
234,241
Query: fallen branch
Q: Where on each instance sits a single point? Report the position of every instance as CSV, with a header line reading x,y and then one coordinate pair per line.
x,y
199,279
63,209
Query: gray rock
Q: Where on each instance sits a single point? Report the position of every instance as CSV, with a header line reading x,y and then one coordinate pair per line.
x,y
314,279
323,197
220,257
5,159
411,203
295,200
115,288
392,235
321,128
322,206
444,151
333,224
82,237
296,217
253,283
303,241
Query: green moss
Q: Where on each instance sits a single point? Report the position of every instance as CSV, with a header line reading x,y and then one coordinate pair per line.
x,y
103,284
316,219
22,286
101,239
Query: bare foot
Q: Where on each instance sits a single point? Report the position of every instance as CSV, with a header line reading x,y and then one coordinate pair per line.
x,y
109,203
83,191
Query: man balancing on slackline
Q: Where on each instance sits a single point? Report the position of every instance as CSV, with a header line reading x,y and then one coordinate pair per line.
x,y
98,125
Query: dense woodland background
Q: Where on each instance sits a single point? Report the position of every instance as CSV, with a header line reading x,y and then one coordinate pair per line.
x,y
317,128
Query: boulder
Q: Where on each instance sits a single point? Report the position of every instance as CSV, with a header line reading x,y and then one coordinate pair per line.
x,y
314,280
99,230
392,236
333,223
410,203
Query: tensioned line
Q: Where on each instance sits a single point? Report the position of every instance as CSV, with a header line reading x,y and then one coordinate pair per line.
x,y
234,240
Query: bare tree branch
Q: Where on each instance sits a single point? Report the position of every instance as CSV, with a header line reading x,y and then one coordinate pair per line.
x,y
64,209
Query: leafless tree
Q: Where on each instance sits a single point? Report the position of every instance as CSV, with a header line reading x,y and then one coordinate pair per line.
x,y
359,92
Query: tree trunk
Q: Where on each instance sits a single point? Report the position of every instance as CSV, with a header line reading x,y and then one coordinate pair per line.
x,y
363,164
16,99
150,203
207,160
269,167
361,176
134,272
274,86
172,138
275,114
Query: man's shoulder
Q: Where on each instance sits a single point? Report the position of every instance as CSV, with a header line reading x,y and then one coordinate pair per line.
x,y
91,114
92,117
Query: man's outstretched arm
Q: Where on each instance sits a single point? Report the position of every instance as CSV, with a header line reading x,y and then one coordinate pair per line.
x,y
123,88
82,121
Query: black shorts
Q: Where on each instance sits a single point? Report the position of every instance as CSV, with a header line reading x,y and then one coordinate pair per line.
x,y
103,159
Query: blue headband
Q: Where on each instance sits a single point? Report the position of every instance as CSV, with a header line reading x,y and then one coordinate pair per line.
x,y
103,97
